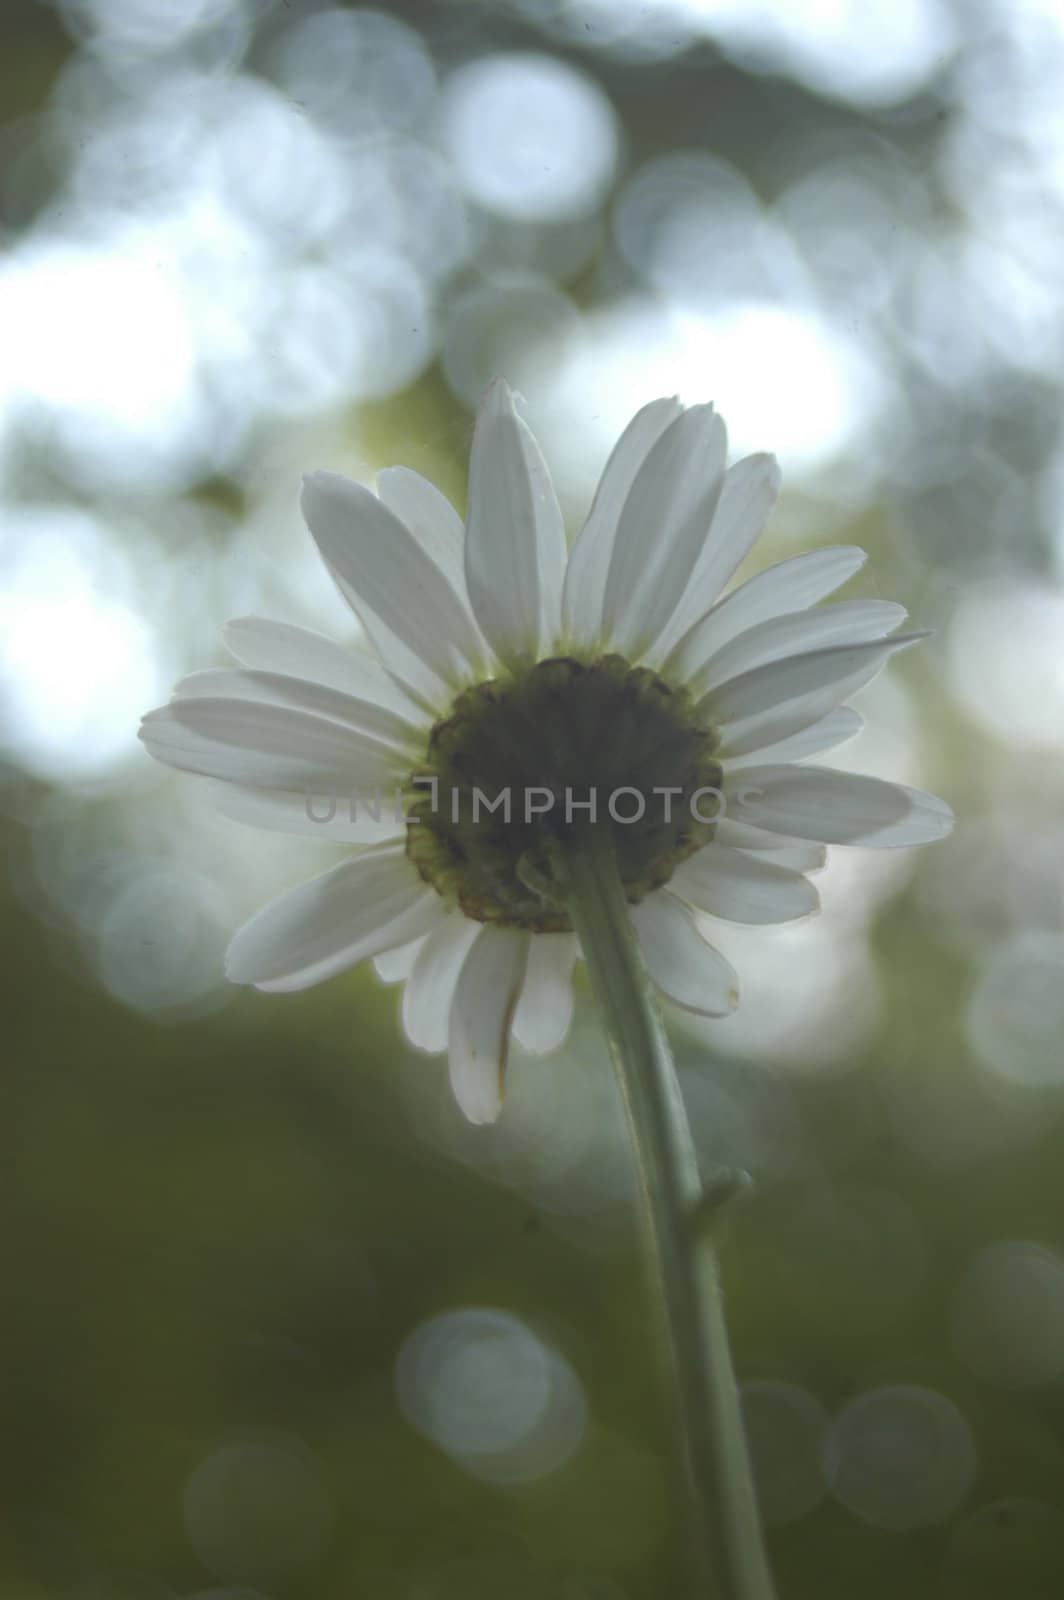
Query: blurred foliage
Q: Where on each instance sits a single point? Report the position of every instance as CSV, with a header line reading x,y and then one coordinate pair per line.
x,y
228,1213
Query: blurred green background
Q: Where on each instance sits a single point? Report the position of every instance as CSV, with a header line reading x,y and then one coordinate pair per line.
x,y
278,1323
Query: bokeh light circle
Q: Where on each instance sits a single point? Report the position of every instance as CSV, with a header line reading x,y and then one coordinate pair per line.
x,y
531,138
901,1457
491,1394
257,1508
356,72
1008,1314
1015,1013
1005,661
785,1429
518,324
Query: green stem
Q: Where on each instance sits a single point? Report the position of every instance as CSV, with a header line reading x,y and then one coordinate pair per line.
x,y
726,1523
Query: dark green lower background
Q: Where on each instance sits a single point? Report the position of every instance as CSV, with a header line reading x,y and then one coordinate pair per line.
x,y
224,1231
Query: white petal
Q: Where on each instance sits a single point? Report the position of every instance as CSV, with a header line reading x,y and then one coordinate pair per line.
x,y
300,653
772,702
327,814
742,888
589,559
395,966
848,622
750,490
371,903
680,961
515,538
431,518
835,807
545,1008
789,586
300,694
830,731
412,614
270,747
663,528
797,855
779,725
930,819
478,1039
430,990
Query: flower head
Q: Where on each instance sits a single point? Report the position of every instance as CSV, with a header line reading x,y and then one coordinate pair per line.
x,y
518,694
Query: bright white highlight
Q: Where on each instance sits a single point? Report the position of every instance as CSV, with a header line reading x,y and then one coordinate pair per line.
x,y
75,656
99,334
821,395
872,55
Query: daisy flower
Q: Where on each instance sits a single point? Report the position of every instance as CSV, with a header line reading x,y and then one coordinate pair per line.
x,y
520,696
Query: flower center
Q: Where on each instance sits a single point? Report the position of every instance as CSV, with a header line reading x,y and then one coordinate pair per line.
x,y
521,764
